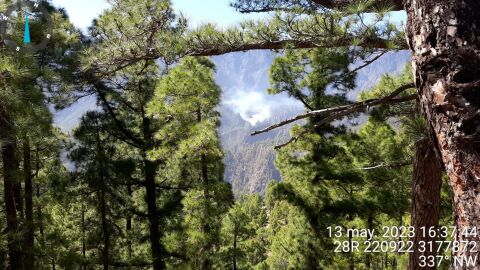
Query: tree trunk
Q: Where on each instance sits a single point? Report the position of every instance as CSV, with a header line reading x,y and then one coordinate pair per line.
x,y
12,190
368,256
129,226
444,38
350,255
84,240
157,251
29,226
154,224
10,172
106,237
235,250
426,188
102,200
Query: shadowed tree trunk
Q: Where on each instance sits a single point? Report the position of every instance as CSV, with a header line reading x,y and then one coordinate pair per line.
x,y
235,249
426,188
29,226
10,169
12,198
129,226
84,240
153,219
444,37
102,200
156,248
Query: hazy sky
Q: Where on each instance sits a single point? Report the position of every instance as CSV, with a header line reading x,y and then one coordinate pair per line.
x,y
82,12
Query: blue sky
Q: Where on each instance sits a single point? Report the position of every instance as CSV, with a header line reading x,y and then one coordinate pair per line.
x,y
82,12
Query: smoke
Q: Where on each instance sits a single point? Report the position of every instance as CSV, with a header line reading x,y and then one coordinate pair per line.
x,y
251,106
257,107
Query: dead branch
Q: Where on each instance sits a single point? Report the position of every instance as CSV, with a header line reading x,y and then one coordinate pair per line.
x,y
369,61
387,165
347,109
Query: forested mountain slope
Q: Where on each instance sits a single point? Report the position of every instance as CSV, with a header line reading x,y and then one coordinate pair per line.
x,y
250,160
246,106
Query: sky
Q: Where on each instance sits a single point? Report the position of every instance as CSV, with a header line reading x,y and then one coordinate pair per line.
x,y
82,12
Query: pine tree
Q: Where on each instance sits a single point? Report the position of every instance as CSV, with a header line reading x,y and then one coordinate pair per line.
x,y
25,79
244,235
306,168
318,178
179,122
427,171
94,168
193,156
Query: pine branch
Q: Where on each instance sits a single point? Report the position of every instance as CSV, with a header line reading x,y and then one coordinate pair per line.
x,y
128,135
347,109
394,165
283,44
396,4
340,111
369,61
258,6
199,49
284,31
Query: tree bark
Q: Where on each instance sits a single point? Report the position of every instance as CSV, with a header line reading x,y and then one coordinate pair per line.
x,y
154,224
426,188
129,226
106,236
84,240
29,225
235,249
102,200
12,190
444,38
10,172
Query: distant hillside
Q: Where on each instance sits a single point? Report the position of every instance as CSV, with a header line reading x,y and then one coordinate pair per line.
x,y
244,79
250,160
